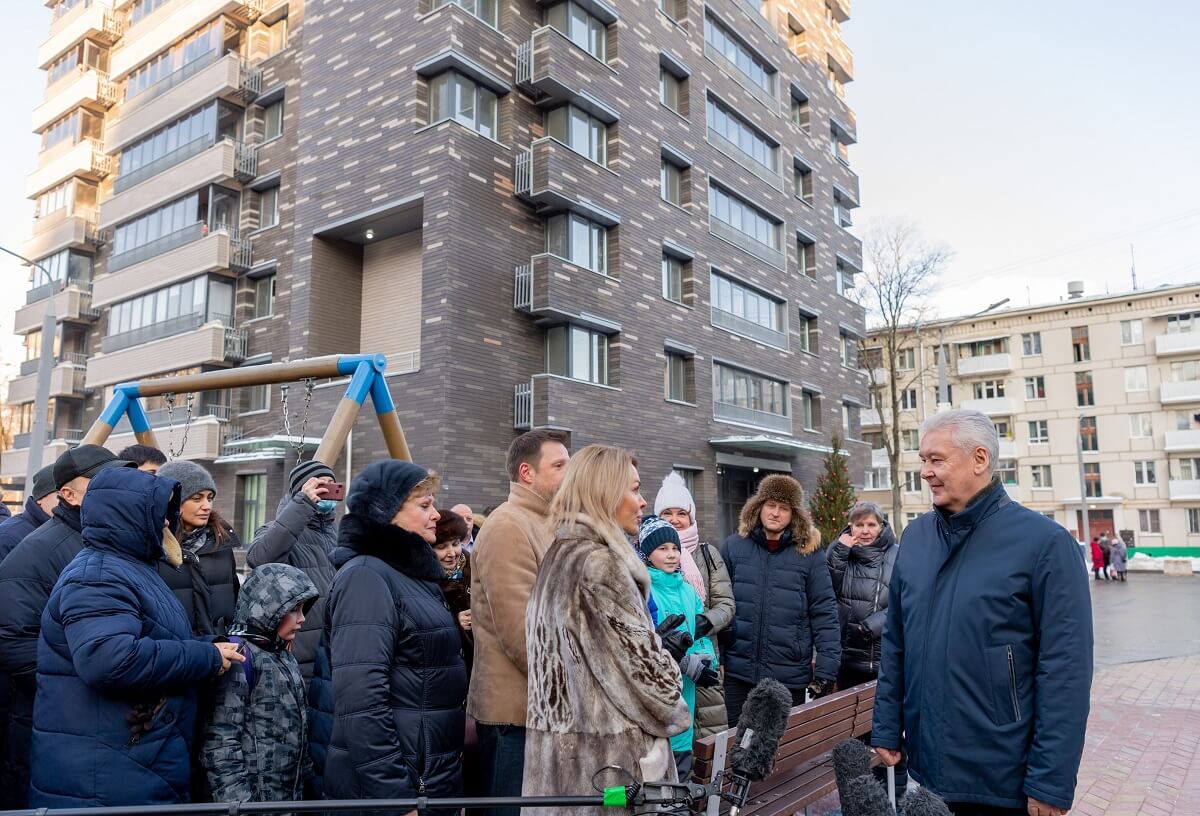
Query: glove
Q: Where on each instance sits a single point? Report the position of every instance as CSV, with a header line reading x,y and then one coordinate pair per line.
x,y
703,626
699,668
675,641
819,688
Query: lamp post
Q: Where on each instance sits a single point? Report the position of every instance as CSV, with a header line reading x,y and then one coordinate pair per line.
x,y
943,387
41,403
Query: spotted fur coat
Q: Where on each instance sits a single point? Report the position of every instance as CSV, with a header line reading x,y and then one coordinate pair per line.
x,y
602,689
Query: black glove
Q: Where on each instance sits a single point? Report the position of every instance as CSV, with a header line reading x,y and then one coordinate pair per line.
x,y
699,668
703,626
819,688
675,641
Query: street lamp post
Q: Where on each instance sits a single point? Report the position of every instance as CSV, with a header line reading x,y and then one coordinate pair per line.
x,y
41,403
943,386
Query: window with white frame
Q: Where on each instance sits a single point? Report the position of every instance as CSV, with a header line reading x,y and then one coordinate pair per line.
x,y
809,410
1140,426
578,240
1131,333
910,439
744,217
578,353
988,389
1003,428
455,96
672,278
1184,420
268,207
729,45
1144,473
1039,432
878,479
912,481
1031,344
273,121
670,183
908,399
1040,478
258,398
1193,515
806,256
1035,388
580,27
580,131
486,10
1006,471
675,377
1136,378
745,389
848,420
264,296
735,298
806,328
742,135
1189,469
1149,522
801,111
670,90
802,182
1185,371
845,279
906,359
1183,323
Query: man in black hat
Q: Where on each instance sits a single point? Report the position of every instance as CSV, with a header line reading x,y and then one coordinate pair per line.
x,y
27,575
40,501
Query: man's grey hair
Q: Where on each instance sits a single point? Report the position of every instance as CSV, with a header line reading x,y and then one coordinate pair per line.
x,y
866,508
970,430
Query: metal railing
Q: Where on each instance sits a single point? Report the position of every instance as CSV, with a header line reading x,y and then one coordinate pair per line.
x,y
523,287
72,436
174,240
155,331
45,290
168,160
240,255
743,241
245,161
523,406
750,416
101,162
755,331
770,175
170,80
235,345
522,172
525,63
74,358
250,80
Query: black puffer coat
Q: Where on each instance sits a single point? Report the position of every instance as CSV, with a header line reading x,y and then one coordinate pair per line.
x,y
399,681
861,576
207,583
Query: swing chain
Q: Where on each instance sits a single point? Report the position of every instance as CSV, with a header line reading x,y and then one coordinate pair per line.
x,y
169,399
296,443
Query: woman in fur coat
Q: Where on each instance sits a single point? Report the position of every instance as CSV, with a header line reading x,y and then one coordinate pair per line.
x,y
602,689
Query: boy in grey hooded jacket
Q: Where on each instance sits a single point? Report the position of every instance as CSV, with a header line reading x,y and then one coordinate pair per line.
x,y
256,741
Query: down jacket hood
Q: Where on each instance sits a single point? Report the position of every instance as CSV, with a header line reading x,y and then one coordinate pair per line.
x,y
785,490
125,511
270,592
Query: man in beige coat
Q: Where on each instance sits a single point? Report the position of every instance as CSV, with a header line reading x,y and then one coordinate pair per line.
x,y
504,566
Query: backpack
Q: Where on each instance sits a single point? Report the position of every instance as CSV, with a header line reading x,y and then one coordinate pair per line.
x,y
248,665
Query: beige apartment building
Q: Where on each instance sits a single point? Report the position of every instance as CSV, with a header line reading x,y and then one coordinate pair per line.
x,y
1120,372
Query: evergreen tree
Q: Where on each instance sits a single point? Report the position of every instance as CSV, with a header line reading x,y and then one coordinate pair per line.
x,y
834,495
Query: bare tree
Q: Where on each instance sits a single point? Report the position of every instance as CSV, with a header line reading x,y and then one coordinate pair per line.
x,y
901,275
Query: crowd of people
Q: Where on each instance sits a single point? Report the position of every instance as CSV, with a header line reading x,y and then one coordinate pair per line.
x,y
402,651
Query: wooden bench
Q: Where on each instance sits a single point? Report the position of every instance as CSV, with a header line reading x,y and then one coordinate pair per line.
x,y
803,770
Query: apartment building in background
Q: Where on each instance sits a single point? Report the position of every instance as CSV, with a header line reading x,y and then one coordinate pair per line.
x,y
1117,375
629,222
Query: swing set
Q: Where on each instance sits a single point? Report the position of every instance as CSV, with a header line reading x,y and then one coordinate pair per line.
x,y
366,372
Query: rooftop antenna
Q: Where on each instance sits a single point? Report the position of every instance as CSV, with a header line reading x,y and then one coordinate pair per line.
x,y
1133,267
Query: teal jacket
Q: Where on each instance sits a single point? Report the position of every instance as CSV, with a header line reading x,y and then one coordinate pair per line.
x,y
675,596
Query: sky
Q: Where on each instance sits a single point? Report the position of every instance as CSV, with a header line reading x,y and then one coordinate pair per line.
x,y
1036,139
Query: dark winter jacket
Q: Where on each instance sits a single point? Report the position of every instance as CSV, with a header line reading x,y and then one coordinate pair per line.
x,y
27,576
398,677
456,588
303,538
861,575
117,662
719,607
207,583
13,529
987,655
255,745
320,719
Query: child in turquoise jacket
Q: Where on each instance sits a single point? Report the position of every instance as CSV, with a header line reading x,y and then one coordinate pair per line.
x,y
659,544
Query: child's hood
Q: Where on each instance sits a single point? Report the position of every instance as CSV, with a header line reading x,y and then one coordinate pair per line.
x,y
270,592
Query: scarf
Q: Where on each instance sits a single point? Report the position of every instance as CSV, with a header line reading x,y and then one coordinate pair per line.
x,y
455,573
690,539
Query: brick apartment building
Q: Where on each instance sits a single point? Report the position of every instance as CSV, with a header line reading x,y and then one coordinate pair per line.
x,y
627,221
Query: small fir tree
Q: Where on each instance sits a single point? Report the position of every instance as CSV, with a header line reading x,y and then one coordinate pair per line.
x,y
831,501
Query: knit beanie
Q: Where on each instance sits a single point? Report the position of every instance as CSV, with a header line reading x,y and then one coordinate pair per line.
x,y
304,471
192,477
674,493
655,532
380,490
43,483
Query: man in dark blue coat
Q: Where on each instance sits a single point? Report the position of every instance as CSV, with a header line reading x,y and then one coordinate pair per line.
x,y
40,502
987,649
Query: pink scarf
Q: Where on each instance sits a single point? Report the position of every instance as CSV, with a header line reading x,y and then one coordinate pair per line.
x,y
690,539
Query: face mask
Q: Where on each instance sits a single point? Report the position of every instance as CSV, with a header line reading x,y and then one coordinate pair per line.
x,y
326,505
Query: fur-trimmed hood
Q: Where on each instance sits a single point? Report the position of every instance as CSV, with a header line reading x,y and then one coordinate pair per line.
x,y
785,490
397,547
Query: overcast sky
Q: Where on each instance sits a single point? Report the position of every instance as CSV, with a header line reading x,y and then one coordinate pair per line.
x,y
1035,139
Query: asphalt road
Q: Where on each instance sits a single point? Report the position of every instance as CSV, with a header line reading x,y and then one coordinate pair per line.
x,y
1149,617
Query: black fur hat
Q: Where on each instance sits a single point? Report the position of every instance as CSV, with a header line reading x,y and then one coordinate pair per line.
x,y
380,490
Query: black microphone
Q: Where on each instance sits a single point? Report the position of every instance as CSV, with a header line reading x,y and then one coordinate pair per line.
x,y
864,796
923,802
851,759
763,721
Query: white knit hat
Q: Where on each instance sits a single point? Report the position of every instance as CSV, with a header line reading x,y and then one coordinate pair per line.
x,y
674,493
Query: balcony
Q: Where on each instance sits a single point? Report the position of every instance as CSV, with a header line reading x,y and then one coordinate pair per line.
x,y
994,406
764,420
1179,441
170,24
1184,489
204,79
190,166
1175,393
555,177
191,251
771,176
184,342
62,229
66,380
86,159
879,457
1166,345
552,69
1008,449
554,289
550,401
741,240
748,328
741,78
985,364
92,22
81,88
72,304
869,417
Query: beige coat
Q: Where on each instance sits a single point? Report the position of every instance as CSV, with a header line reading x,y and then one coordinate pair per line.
x,y
504,564
602,689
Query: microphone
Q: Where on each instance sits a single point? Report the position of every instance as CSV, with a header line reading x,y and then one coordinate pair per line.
x,y
851,759
764,718
864,796
923,802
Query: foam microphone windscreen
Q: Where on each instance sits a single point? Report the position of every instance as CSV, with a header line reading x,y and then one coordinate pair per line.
x,y
923,802
851,759
864,796
764,715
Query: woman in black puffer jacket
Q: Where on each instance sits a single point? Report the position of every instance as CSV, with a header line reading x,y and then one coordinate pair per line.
x,y
860,564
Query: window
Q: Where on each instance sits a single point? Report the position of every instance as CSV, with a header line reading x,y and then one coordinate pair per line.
x,y
806,256
734,298
1185,371
839,149
258,398
744,217
670,89
62,267
580,27
1084,395
1003,428
1143,472
141,9
878,479
912,481
744,389
984,348
177,141
205,43
205,299
1131,333
486,10
845,280
810,410
454,96
268,207
76,196
675,9
802,183
1039,432
578,240
806,326
675,375
1193,514
910,440
724,42
847,421
670,180
847,346
1135,378
841,211
1148,522
742,136
273,121
253,489
1088,433
1140,426
672,278
801,112
906,359
1183,420
1031,344
1189,469
580,131
988,389
82,124
1040,478
165,221
1006,471
1183,323
264,296
1035,388
908,399
1080,345
578,353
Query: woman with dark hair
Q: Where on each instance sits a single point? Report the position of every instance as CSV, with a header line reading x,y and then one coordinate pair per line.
x,y
448,546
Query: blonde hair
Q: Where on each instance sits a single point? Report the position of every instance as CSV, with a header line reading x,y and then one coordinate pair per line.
x,y
426,487
593,486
